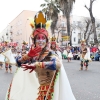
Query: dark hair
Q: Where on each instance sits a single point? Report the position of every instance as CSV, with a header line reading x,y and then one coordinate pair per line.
x,y
42,52
39,25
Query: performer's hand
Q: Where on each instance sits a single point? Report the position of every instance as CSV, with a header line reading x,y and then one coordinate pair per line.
x,y
27,66
34,52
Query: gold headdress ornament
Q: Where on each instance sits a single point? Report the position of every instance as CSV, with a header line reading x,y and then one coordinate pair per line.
x,y
40,24
53,40
6,41
83,41
24,42
39,18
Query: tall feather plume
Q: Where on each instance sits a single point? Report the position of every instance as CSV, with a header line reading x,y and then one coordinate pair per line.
x,y
48,24
39,21
39,18
32,24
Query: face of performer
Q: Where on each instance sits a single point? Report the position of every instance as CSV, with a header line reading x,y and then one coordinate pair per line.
x,y
53,46
83,45
41,40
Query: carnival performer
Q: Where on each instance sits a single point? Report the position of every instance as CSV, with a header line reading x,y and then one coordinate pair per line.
x,y
55,48
24,45
69,54
64,54
85,55
1,63
47,79
8,66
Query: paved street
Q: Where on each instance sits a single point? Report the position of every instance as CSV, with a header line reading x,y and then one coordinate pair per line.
x,y
5,79
85,84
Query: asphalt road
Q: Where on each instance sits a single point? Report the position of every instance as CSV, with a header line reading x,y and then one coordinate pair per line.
x,y
85,84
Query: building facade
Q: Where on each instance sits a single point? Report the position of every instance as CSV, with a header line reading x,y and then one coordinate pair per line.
x,y
5,35
20,27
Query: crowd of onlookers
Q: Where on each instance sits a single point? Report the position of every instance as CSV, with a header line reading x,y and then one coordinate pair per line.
x,y
16,51
76,52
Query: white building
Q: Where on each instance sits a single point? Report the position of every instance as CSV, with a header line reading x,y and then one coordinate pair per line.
x,y
5,35
76,31
79,27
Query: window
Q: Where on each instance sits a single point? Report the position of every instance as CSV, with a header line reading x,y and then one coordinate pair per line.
x,y
63,24
74,39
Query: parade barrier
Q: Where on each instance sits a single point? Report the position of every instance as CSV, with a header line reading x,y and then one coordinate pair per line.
x,y
9,44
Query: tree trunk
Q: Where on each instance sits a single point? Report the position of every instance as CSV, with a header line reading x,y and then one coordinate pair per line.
x,y
54,18
93,22
87,38
58,37
68,27
95,35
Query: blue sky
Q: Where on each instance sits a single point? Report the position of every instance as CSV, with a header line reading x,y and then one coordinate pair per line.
x,y
9,9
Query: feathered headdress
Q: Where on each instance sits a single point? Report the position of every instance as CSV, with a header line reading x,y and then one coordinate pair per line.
x,y
40,21
53,40
24,43
6,43
83,42
40,24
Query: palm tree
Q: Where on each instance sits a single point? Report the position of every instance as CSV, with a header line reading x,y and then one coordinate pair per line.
x,y
51,8
66,7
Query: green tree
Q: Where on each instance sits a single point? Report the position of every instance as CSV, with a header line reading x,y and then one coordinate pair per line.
x,y
66,7
51,9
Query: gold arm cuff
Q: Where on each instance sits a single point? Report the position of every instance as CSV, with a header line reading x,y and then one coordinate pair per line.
x,y
39,65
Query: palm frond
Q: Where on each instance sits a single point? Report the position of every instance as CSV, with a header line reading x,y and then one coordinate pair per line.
x,y
46,0
44,10
43,5
51,9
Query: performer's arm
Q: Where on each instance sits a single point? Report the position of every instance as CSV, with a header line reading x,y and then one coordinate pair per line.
x,y
32,53
52,65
